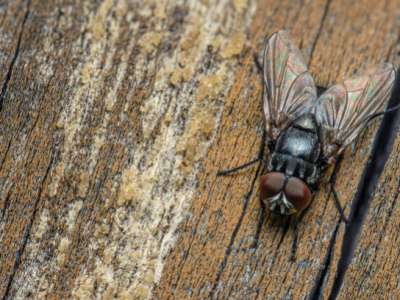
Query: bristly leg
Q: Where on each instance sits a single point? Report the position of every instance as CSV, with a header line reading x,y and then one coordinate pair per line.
x,y
260,156
260,222
392,109
261,152
296,234
331,183
239,168
257,62
337,202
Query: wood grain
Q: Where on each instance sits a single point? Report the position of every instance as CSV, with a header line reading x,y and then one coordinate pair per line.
x,y
116,117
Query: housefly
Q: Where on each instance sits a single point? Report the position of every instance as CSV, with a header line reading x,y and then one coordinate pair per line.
x,y
306,133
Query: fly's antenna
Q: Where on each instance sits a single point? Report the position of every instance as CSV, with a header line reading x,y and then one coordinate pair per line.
x,y
392,109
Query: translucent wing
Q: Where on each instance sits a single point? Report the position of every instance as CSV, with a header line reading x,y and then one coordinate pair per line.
x,y
289,90
344,109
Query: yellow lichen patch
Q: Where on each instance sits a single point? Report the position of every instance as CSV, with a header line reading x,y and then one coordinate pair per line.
x,y
125,295
101,230
85,288
187,73
53,187
89,73
193,143
210,87
70,132
141,292
159,12
111,292
240,5
176,76
63,249
99,142
235,45
148,277
60,169
149,42
217,42
61,260
127,190
73,211
108,255
190,38
60,124
84,184
64,244
56,179
43,224
207,125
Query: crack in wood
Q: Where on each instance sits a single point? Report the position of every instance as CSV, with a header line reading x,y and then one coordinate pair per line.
x,y
234,233
11,67
320,29
28,229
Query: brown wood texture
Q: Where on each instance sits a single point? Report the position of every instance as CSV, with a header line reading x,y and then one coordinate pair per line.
x,y
115,118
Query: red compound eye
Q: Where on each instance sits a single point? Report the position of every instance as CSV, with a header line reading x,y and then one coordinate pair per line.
x,y
271,184
297,193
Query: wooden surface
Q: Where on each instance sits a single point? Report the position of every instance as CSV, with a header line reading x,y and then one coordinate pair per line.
x,y
117,115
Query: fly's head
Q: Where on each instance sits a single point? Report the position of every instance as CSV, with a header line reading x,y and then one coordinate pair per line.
x,y
283,194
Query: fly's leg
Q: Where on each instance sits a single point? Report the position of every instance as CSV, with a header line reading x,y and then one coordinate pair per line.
x,y
239,168
260,156
257,62
393,98
261,152
296,234
337,202
260,222
332,191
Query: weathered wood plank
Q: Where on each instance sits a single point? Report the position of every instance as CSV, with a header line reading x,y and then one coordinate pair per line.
x,y
129,122
117,116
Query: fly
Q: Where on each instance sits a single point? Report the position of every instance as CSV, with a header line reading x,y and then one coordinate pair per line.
x,y
307,133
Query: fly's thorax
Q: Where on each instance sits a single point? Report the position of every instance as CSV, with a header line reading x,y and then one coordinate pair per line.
x,y
300,143
284,194
298,151
307,122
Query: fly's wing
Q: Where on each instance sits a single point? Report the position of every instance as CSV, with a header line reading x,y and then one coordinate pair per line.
x,y
289,90
345,109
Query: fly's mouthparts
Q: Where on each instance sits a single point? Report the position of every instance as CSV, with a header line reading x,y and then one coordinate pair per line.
x,y
280,205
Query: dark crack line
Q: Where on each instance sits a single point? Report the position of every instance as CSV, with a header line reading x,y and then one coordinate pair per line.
x,y
320,29
234,233
27,231
318,288
380,153
11,67
7,202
